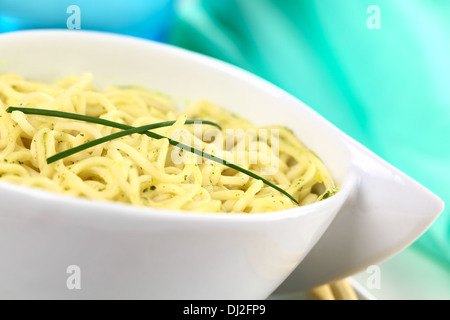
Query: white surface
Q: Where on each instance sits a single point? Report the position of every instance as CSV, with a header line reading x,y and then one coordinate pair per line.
x,y
410,275
130,252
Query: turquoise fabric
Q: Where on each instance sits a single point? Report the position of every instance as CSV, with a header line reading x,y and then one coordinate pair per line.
x,y
388,88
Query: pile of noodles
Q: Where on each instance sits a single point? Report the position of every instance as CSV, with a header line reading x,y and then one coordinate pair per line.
x,y
142,171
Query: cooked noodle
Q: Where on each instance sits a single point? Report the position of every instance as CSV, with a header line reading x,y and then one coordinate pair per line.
x,y
142,171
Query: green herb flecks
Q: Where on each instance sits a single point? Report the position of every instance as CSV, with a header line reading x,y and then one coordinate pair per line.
x,y
128,130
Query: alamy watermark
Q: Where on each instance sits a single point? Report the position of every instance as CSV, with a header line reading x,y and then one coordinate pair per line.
x,y
73,281
251,147
74,20
374,20
374,279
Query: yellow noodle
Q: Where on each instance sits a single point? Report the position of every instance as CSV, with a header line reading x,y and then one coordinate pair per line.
x,y
142,171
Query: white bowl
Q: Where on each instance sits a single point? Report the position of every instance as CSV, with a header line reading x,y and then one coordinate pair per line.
x,y
129,252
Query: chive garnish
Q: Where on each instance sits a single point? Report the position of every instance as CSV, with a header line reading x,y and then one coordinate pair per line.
x,y
107,138
128,130
74,116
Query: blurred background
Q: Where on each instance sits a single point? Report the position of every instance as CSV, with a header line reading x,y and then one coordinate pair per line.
x,y
377,69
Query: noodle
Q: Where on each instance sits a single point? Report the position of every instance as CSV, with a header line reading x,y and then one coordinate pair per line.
x,y
142,171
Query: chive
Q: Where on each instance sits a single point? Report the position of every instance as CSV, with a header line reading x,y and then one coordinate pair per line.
x,y
104,139
326,195
113,136
143,130
74,116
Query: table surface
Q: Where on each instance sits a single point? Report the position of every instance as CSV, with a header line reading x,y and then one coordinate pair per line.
x,y
409,275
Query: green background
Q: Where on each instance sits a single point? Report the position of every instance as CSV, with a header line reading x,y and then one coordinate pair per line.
x,y
388,88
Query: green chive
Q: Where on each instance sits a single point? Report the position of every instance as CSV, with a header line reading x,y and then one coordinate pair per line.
x,y
104,139
143,130
74,116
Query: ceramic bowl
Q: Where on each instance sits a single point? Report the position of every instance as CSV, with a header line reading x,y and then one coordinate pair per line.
x,y
117,251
